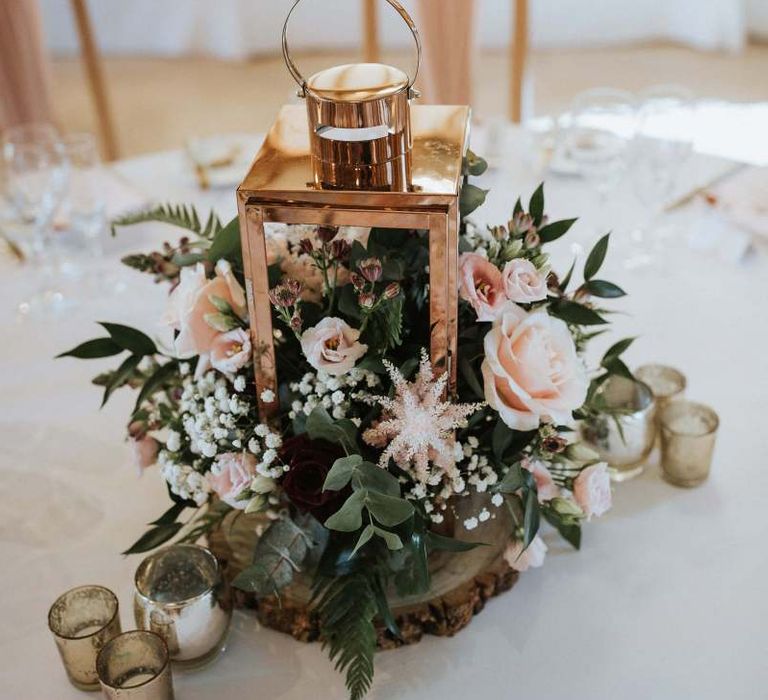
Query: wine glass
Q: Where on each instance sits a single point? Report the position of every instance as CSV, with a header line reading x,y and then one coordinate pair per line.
x,y
663,146
36,178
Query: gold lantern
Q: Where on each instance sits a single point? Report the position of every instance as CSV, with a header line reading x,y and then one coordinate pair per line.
x,y
358,154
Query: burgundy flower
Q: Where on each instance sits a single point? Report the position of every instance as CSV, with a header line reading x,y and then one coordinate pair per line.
x,y
310,461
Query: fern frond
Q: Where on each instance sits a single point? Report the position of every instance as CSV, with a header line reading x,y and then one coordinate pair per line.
x,y
182,215
346,606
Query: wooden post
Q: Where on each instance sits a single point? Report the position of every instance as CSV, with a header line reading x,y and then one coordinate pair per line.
x,y
371,49
95,75
518,54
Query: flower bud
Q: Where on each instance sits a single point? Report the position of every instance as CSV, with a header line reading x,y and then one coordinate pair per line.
x,y
566,508
286,293
296,322
370,268
327,233
357,282
554,444
306,247
532,239
262,484
367,300
392,290
340,250
579,452
522,222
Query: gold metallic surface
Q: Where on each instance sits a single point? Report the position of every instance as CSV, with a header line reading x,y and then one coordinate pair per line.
x,y
280,188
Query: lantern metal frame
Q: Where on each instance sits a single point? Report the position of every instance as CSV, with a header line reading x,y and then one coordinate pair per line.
x,y
280,188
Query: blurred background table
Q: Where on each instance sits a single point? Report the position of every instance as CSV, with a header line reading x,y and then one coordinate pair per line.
x,y
666,598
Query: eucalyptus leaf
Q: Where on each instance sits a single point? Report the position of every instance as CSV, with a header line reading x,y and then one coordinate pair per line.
x,y
391,539
470,199
388,510
512,480
375,479
341,473
349,517
92,349
365,536
321,426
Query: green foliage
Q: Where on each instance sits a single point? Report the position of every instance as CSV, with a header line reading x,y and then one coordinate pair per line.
x,y
280,552
536,205
346,606
92,349
474,164
603,289
121,376
157,381
470,199
596,257
551,232
130,339
320,426
154,537
226,244
575,314
181,216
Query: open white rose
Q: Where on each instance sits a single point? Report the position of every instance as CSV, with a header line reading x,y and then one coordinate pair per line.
x,y
531,371
332,345
523,283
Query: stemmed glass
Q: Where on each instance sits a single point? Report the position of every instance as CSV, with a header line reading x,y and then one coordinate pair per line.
x,y
37,172
597,140
662,148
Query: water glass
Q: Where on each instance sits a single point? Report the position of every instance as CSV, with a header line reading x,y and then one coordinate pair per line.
x,y
688,433
182,595
82,621
135,666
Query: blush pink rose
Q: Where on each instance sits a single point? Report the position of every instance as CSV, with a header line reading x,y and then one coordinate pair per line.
x,y
481,285
523,283
332,346
231,475
231,351
531,371
144,452
190,303
592,490
546,487
522,560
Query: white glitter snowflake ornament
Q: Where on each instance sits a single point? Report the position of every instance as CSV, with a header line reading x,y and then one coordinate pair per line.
x,y
417,425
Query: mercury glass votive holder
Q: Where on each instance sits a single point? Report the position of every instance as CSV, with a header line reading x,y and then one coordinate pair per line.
x,y
666,383
82,621
624,431
135,666
182,595
688,433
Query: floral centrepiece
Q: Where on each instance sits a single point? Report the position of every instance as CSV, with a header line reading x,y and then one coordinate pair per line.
x,y
373,457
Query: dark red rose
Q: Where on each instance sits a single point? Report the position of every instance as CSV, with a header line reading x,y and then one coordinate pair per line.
x,y
310,461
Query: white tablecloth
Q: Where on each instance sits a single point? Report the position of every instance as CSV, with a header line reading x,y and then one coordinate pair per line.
x,y
666,600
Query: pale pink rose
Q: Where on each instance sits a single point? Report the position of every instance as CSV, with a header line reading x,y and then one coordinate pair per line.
x,y
144,452
481,285
230,475
523,283
546,487
532,557
332,346
190,303
531,371
231,351
592,490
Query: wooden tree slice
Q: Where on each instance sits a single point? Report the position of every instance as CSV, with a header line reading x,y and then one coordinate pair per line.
x,y
461,584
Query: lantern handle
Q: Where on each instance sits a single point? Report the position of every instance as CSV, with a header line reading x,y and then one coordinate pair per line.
x,y
299,78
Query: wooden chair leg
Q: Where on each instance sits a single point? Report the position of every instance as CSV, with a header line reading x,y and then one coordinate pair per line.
x,y
95,75
371,49
518,57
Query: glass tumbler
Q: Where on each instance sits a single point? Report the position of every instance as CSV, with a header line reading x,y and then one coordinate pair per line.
x,y
82,621
688,433
135,666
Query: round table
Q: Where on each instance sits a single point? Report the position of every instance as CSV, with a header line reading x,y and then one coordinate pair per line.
x,y
666,598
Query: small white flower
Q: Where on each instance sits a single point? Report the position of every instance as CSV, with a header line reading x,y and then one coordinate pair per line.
x,y
269,456
239,383
338,412
273,440
337,397
470,523
267,396
253,446
261,430
173,443
184,368
484,515
437,518
497,499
